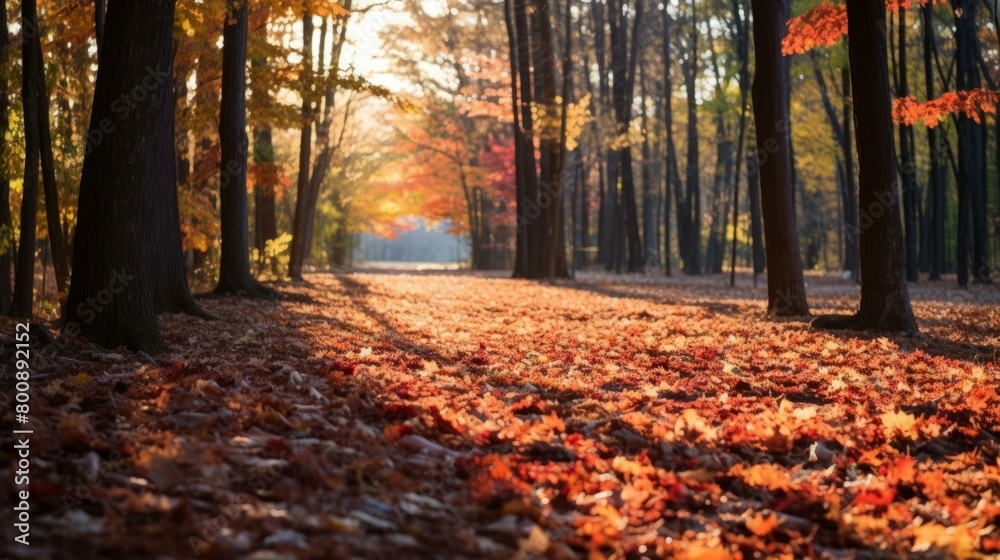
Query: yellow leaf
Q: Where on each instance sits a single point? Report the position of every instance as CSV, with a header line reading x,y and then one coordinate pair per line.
x,y
762,525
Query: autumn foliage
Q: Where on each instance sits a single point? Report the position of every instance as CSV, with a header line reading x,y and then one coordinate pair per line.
x,y
908,111
824,25
398,416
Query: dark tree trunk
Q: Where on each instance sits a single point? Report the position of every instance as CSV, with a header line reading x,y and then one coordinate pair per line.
x,y
127,254
334,35
235,277
847,184
743,55
649,185
608,223
100,15
885,300
692,262
785,283
849,194
265,207
756,227
551,192
24,274
672,183
559,267
298,249
786,115
520,247
57,243
623,68
6,233
907,163
527,209
971,166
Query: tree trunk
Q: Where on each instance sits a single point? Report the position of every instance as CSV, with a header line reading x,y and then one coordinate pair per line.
x,y
57,243
24,274
235,277
849,195
907,163
550,193
756,227
692,262
324,127
299,251
127,244
100,15
520,247
785,283
671,177
527,209
743,55
885,300
608,223
649,185
623,68
6,233
971,167
265,218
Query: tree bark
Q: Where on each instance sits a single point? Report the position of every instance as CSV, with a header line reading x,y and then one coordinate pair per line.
x,y
908,166
885,299
785,283
623,69
520,247
57,243
608,222
265,207
971,166
235,277
743,55
756,226
692,206
100,16
6,233
649,185
671,176
298,250
527,209
24,273
127,250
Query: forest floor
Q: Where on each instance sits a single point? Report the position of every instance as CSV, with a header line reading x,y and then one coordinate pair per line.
x,y
458,415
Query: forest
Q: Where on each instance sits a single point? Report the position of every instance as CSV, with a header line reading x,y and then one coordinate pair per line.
x,y
595,279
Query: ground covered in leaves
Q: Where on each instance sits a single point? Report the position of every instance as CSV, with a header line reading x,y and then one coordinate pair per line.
x,y
380,415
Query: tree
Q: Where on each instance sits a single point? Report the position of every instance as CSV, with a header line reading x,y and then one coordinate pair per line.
x,y
842,131
971,163
742,15
24,273
318,89
6,233
885,299
907,164
938,194
623,69
127,256
299,250
690,205
541,222
57,243
785,283
672,182
234,270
